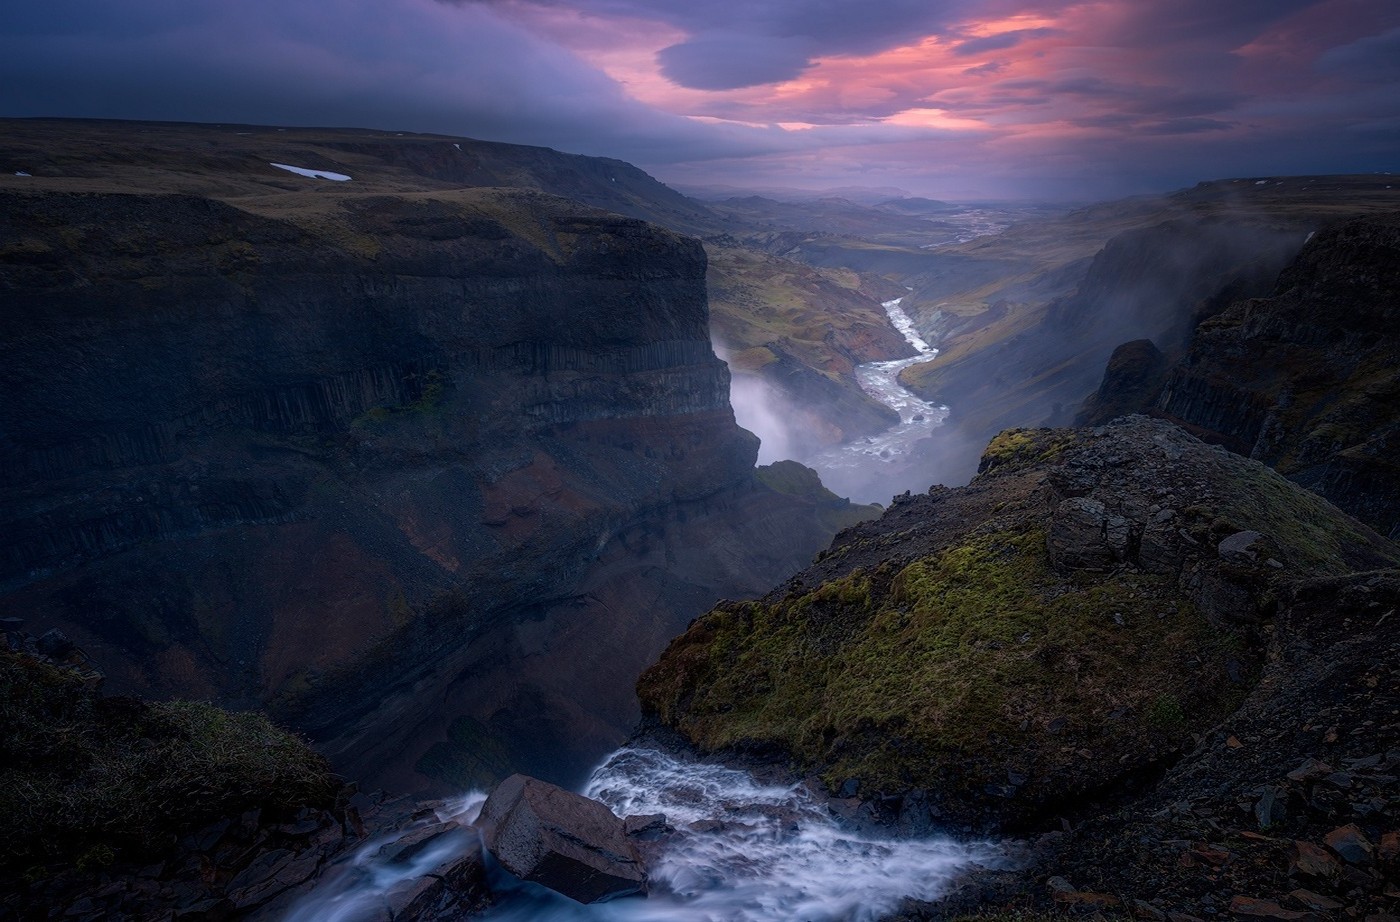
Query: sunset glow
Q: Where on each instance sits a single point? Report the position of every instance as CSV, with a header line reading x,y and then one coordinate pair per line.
x,y
956,99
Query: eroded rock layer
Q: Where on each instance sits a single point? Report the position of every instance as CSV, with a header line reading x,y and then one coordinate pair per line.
x,y
430,475
1306,379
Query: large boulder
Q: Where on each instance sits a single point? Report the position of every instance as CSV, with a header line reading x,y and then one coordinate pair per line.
x,y
545,834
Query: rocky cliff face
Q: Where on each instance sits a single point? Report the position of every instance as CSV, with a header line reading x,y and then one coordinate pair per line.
x,y
1026,320
416,471
1152,282
1305,380
1047,638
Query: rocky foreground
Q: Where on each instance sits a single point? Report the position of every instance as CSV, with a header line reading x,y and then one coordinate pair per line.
x,y
1178,664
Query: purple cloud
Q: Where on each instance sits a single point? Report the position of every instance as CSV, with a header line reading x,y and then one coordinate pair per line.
x,y
1163,93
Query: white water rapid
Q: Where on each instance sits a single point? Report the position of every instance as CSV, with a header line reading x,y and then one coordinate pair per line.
x,y
742,852
846,464
355,892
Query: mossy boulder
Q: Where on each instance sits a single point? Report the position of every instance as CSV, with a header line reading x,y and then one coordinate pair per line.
x,y
1050,634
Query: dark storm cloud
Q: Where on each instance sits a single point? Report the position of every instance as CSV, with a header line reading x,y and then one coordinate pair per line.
x,y
411,66
1374,59
1123,95
1223,23
723,61
733,43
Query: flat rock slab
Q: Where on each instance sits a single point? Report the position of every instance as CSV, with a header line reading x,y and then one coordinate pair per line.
x,y
576,846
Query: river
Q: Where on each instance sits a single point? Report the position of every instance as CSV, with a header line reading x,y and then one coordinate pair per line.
x,y
742,851
775,854
872,469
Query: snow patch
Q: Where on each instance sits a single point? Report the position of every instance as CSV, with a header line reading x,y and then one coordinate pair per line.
x,y
311,174
22,173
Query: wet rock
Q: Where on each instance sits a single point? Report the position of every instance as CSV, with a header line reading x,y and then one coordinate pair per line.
x,y
451,890
648,826
416,843
568,843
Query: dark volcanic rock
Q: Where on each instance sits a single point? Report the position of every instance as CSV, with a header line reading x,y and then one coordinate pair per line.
x,y
566,842
1130,382
1070,621
339,453
1306,379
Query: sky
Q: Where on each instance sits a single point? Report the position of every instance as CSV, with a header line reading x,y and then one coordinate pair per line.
x,y
955,99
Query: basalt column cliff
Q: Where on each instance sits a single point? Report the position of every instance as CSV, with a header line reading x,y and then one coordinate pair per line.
x,y
431,476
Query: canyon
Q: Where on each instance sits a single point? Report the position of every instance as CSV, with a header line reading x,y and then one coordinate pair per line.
x,y
428,475
426,450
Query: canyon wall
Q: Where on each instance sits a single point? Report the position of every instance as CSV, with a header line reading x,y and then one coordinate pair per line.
x,y
429,475
1305,379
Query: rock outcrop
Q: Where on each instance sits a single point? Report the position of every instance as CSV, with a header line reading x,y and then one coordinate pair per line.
x,y
1288,810
1305,380
566,842
1048,638
1131,381
430,475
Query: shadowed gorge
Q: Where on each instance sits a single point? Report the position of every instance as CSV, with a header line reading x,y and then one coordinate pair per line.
x,y
348,452
424,461
1026,320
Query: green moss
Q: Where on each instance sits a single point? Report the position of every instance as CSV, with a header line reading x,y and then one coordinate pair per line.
x,y
86,779
430,400
1020,447
1311,534
898,677
1165,713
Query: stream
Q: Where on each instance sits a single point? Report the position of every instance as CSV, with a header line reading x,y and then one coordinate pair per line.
x,y
866,468
743,852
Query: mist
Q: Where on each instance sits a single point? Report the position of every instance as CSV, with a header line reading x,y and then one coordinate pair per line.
x,y
759,408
